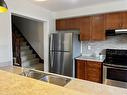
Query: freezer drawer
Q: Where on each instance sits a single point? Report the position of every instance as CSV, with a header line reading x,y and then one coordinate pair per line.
x,y
61,63
61,42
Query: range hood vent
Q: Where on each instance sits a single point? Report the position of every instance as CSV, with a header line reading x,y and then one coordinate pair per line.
x,y
116,32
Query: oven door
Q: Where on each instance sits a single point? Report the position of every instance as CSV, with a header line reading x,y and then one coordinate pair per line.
x,y
115,75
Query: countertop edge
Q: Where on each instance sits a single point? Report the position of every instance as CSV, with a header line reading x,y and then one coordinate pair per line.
x,y
90,59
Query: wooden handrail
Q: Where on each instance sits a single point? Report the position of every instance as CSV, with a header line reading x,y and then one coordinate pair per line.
x,y
18,57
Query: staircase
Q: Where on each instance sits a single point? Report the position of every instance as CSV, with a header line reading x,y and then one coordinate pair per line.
x,y
28,57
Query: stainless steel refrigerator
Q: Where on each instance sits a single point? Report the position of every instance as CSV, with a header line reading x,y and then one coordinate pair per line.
x,y
63,48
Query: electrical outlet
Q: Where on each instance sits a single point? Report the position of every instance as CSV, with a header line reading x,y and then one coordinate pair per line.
x,y
89,47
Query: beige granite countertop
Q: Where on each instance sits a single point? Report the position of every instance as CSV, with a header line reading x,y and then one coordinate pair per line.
x,y
92,88
12,69
90,58
13,84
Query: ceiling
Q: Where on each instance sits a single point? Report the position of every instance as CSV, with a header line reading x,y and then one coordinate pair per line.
x,y
60,5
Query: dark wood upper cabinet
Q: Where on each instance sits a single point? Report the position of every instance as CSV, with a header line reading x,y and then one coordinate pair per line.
x,y
68,24
98,27
91,27
58,27
85,28
73,23
113,20
124,20
94,27
61,24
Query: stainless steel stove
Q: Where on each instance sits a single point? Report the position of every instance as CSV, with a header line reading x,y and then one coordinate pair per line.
x,y
115,68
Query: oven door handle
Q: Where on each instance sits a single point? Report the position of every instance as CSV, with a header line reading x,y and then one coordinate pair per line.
x,y
120,67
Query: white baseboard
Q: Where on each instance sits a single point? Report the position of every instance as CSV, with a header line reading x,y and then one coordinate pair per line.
x,y
3,64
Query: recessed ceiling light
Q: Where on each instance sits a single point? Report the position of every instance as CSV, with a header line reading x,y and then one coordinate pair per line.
x,y
40,0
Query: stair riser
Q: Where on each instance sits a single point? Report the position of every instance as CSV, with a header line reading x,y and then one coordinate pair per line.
x,y
24,44
31,62
22,39
26,58
26,53
18,35
38,66
25,48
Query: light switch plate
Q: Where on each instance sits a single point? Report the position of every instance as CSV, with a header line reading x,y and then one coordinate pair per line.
x,y
89,47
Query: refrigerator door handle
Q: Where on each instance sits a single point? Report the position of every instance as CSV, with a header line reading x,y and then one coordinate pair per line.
x,y
51,44
62,63
52,62
51,59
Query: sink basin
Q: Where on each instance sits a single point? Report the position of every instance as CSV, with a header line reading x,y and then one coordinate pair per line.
x,y
33,74
61,81
53,79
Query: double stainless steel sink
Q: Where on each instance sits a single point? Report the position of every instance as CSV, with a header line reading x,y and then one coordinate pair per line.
x,y
50,78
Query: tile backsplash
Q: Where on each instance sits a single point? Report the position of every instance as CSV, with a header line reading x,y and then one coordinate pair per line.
x,y
112,42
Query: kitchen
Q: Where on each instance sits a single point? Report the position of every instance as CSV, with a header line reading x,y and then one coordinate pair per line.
x,y
102,39
94,36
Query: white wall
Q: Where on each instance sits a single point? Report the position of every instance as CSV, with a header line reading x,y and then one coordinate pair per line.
x,y
5,39
98,8
24,8
33,31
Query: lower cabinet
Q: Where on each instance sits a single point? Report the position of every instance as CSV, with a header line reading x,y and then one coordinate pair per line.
x,y
89,70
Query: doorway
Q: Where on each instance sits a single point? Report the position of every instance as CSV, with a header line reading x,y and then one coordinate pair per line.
x,y
28,42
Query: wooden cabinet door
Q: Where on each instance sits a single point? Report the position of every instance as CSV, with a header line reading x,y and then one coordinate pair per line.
x,y
80,69
89,70
113,20
57,24
68,24
72,24
98,29
60,24
85,28
124,20
93,71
